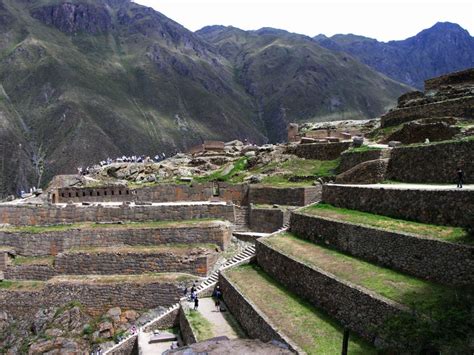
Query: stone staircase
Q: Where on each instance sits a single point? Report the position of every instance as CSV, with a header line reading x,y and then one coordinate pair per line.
x,y
243,257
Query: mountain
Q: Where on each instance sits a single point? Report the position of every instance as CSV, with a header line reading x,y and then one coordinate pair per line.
x,y
441,49
292,78
82,80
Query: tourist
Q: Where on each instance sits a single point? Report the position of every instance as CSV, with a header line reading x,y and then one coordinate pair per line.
x,y
185,292
460,176
218,305
196,302
193,295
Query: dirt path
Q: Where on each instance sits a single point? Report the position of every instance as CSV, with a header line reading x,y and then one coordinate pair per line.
x,y
220,325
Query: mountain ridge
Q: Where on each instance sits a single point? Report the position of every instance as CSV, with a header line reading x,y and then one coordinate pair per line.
x,y
445,47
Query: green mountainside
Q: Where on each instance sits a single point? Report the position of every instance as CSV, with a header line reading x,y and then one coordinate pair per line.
x,y
83,80
294,79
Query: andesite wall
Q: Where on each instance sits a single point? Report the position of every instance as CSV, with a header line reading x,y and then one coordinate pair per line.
x,y
319,151
289,196
430,259
251,319
157,193
432,163
185,328
460,107
350,159
30,272
53,214
114,263
435,206
96,297
355,307
267,220
52,243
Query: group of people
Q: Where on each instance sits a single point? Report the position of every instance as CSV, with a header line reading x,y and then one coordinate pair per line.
x,y
192,296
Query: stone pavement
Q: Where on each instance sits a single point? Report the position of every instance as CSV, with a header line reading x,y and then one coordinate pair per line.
x,y
220,325
404,186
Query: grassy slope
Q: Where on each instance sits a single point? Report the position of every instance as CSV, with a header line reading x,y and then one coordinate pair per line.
x,y
311,329
449,234
90,225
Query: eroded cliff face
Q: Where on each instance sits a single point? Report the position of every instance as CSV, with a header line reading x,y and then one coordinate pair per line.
x,y
71,18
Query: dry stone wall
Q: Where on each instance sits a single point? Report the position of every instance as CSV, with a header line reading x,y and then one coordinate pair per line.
x,y
113,263
431,259
96,297
443,207
52,243
53,214
349,159
432,163
187,333
267,220
319,151
460,107
354,307
30,272
289,196
251,319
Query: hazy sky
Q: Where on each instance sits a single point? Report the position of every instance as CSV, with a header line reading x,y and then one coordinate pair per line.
x,y
383,19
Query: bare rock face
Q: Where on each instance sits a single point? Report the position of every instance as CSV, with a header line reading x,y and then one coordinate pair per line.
x,y
72,18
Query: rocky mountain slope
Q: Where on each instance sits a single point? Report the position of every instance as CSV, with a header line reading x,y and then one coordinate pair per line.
x,y
293,79
443,48
82,80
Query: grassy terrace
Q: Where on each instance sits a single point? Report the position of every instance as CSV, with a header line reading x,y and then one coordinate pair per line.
x,y
21,285
91,225
201,326
448,234
311,329
178,248
33,260
141,278
394,285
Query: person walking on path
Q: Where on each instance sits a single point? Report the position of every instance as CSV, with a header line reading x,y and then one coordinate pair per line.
x,y
460,176
196,303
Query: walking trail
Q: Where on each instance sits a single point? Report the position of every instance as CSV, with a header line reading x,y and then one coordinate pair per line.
x,y
220,324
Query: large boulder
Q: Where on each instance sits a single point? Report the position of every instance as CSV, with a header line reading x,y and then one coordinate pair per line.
x,y
369,172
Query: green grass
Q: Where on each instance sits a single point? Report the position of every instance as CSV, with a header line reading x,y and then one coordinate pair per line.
x,y
90,225
362,149
238,166
295,172
21,285
202,328
308,327
33,260
450,141
440,315
448,234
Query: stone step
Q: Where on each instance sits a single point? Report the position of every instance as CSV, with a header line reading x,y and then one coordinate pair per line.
x,y
427,257
361,295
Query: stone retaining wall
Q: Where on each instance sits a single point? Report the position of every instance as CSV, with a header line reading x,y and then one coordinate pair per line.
x,y
44,215
350,159
30,272
251,319
319,151
289,196
267,220
187,333
128,347
52,243
355,307
158,193
96,297
430,259
193,262
432,163
461,107
444,207
194,192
